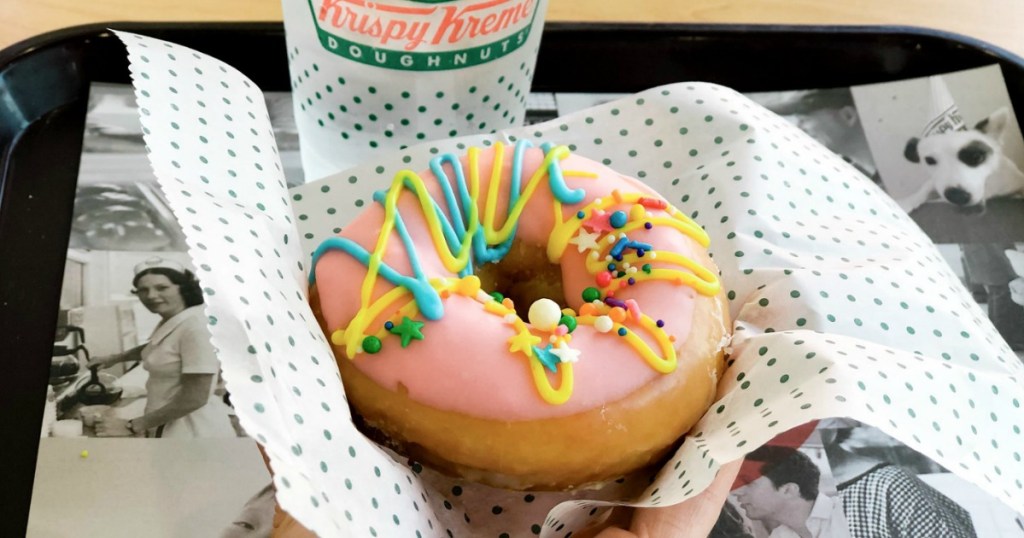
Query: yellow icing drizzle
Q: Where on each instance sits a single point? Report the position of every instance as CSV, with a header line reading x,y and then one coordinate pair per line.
x,y
664,365
398,302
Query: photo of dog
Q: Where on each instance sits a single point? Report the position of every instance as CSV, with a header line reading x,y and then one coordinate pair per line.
x,y
965,167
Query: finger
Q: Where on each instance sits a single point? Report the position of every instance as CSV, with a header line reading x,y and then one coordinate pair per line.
x,y
266,458
285,526
618,518
691,518
615,532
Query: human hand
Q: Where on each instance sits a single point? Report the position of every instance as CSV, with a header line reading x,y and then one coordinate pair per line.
x,y
285,526
693,518
107,426
103,361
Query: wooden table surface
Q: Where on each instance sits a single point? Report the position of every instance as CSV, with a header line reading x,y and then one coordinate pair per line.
x,y
1000,22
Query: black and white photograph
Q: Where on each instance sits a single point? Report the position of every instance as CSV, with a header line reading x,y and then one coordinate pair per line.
x,y
785,489
840,478
888,489
140,487
540,107
830,116
949,150
574,102
136,407
128,368
951,140
118,205
545,106
131,355
992,272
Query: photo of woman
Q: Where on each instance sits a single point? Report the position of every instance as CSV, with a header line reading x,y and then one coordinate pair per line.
x,y
179,359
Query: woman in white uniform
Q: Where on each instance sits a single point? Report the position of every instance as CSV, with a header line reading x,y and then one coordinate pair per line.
x,y
179,358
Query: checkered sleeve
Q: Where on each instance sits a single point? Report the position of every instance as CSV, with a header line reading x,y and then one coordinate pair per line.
x,y
889,502
917,509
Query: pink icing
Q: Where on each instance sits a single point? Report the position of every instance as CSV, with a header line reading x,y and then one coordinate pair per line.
x,y
464,364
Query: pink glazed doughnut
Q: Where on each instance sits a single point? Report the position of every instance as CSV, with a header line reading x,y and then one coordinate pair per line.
x,y
523,317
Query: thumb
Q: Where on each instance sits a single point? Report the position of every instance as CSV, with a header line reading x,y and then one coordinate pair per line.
x,y
284,525
691,518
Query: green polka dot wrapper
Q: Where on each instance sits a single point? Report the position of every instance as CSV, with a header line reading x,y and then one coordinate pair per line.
x,y
371,76
842,306
213,152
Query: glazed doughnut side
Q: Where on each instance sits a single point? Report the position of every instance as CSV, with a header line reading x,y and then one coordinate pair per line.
x,y
554,453
457,378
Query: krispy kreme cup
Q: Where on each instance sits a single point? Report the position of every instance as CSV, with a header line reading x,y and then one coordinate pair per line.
x,y
370,76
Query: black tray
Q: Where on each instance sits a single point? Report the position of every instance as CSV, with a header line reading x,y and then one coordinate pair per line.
x,y
44,84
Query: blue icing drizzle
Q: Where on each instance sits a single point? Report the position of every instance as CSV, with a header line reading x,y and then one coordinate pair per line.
x,y
426,297
454,229
557,182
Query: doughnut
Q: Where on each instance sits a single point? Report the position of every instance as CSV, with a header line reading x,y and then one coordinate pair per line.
x,y
523,317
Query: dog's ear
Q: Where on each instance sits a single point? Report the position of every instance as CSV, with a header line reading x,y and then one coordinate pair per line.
x,y
995,124
910,152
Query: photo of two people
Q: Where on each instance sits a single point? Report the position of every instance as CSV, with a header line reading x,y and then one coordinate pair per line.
x,y
838,478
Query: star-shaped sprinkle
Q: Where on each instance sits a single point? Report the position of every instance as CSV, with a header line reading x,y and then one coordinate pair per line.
x,y
598,222
524,341
547,357
408,330
566,353
585,240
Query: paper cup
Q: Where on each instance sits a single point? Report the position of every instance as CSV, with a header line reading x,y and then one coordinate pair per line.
x,y
371,76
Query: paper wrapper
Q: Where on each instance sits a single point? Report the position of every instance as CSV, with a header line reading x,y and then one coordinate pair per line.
x,y
374,76
843,307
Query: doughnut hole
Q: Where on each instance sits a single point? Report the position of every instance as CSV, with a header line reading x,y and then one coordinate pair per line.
x,y
524,275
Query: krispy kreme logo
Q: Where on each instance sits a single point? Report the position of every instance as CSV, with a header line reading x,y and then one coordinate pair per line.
x,y
439,36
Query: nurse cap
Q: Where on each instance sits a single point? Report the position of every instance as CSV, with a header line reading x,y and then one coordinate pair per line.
x,y
158,262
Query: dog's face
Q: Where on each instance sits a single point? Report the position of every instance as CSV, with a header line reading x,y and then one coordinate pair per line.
x,y
960,162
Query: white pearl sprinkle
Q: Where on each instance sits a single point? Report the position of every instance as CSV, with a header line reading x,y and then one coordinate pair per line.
x,y
626,265
653,255
603,324
544,314
608,258
632,270
594,255
511,318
